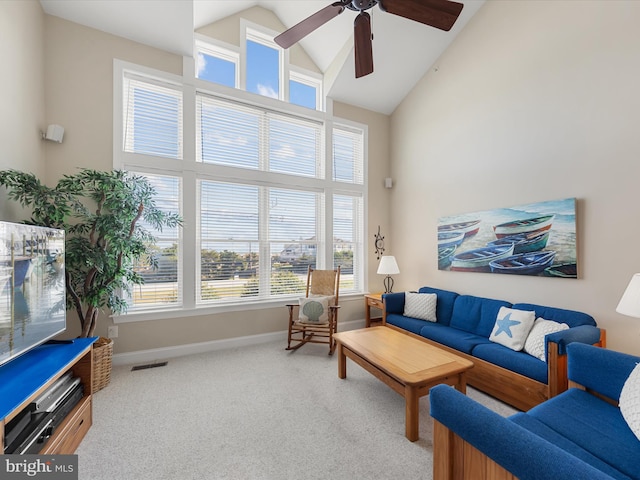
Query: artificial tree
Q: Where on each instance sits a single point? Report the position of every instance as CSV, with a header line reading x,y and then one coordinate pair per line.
x,y
106,216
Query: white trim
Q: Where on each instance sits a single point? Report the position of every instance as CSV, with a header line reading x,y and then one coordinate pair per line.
x,y
159,354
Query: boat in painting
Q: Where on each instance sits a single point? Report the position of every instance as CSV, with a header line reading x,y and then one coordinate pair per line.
x,y
21,268
478,259
449,239
562,270
526,225
468,228
444,256
524,242
531,263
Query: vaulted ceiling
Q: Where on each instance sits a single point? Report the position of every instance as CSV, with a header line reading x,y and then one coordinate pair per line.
x,y
403,50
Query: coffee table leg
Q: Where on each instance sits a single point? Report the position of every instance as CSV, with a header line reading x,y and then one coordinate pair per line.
x,y
342,362
461,386
411,399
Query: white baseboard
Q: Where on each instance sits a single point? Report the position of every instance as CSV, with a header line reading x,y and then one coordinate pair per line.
x,y
159,354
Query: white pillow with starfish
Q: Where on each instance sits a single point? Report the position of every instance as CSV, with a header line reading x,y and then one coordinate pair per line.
x,y
512,327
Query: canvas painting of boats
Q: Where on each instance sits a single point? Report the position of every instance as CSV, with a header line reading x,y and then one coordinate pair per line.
x,y
537,239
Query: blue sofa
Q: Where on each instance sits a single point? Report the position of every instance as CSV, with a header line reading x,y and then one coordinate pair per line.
x,y
577,434
464,324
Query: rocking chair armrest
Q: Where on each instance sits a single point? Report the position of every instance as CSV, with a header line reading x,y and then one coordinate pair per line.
x,y
334,307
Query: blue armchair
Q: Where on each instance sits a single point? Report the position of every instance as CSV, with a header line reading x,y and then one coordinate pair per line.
x,y
577,434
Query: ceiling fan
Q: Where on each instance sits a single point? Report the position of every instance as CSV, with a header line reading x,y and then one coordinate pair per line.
x,y
440,14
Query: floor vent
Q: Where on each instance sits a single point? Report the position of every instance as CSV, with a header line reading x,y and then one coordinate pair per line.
x,y
148,365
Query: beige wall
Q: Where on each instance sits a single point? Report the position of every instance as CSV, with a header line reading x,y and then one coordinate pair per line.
x,y
79,95
21,93
533,101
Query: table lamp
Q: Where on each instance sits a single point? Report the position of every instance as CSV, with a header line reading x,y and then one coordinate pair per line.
x,y
388,266
630,301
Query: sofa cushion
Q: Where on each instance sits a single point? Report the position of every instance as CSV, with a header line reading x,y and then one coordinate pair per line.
x,y
536,340
452,337
413,325
594,425
444,305
570,317
543,431
420,305
630,401
476,314
518,362
512,327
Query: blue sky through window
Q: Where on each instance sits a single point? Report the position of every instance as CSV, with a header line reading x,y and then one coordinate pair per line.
x,y
301,94
263,70
217,70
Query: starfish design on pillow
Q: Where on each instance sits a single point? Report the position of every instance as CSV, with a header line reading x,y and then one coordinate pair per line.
x,y
505,324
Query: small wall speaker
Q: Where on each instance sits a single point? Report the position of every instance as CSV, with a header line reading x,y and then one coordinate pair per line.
x,y
54,133
388,182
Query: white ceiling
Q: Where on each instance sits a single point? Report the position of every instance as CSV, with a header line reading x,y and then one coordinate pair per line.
x,y
403,50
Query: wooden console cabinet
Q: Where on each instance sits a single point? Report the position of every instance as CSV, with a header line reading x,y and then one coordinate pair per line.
x,y
22,380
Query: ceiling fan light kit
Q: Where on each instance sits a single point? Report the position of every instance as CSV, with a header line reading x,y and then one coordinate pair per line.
x,y
441,14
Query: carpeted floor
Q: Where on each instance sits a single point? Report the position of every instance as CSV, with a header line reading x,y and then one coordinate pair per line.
x,y
255,412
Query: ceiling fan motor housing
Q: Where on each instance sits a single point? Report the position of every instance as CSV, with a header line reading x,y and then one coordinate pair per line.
x,y
361,5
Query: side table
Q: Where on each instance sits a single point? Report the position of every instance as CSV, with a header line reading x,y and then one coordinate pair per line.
x,y
372,300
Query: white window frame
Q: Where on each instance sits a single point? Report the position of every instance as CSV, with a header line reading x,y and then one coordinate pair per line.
x,y
221,50
190,171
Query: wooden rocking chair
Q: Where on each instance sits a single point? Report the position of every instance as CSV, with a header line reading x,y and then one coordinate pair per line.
x,y
305,325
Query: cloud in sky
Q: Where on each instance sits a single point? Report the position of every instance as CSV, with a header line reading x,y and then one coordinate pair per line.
x,y
267,91
201,63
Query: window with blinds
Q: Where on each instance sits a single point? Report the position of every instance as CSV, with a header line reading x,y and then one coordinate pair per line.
x,y
152,111
348,218
244,136
260,209
161,271
348,155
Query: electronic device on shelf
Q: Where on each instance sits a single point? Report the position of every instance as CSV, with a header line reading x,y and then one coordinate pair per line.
x,y
29,431
32,287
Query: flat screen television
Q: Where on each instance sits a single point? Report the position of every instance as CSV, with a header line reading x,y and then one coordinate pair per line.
x,y
32,287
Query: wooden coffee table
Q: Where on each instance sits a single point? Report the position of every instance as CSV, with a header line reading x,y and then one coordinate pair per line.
x,y
405,363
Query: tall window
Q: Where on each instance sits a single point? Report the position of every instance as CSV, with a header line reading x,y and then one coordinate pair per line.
x,y
266,69
264,194
162,271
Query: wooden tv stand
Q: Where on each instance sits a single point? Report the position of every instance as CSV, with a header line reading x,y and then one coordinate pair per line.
x,y
22,380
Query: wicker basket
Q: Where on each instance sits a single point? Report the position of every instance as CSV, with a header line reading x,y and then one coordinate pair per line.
x,y
102,355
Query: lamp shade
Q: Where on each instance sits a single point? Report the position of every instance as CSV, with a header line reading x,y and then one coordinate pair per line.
x,y
630,301
388,265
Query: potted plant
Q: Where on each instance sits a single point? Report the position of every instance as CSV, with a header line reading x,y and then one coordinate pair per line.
x,y
102,214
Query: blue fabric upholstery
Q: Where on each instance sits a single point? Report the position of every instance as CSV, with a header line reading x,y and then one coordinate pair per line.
x,y
581,333
452,337
473,319
521,452
413,325
519,362
595,426
542,430
394,302
444,305
599,369
560,315
476,314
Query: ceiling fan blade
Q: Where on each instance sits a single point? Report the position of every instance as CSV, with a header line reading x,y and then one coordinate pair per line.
x,y
308,25
440,14
363,45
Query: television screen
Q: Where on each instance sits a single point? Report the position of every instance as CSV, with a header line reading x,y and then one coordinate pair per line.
x,y
32,287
